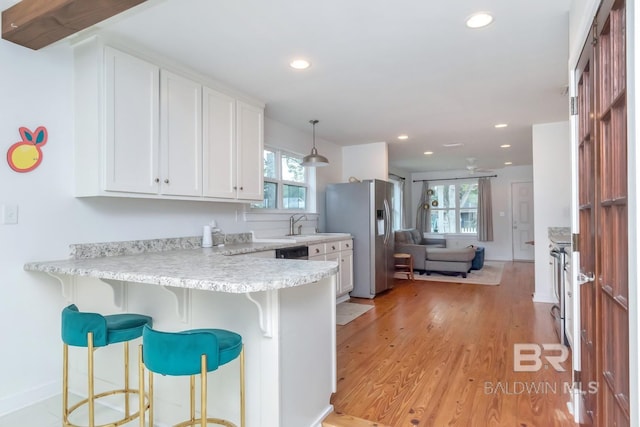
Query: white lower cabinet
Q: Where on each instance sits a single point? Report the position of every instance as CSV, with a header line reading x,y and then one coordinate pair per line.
x,y
342,253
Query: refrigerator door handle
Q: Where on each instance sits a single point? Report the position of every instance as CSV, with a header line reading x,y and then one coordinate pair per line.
x,y
387,225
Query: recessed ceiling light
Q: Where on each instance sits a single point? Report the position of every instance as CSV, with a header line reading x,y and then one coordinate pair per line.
x,y
508,163
500,125
505,146
479,20
300,64
428,153
453,144
403,137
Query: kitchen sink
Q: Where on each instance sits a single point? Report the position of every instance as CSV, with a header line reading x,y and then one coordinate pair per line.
x,y
303,238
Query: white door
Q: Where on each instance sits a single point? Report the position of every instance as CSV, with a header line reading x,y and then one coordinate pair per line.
x,y
180,135
132,96
522,217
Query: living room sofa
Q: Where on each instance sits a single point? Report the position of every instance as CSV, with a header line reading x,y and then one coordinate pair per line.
x,y
432,254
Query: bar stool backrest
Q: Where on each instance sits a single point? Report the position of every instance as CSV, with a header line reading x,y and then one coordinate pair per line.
x,y
76,325
179,353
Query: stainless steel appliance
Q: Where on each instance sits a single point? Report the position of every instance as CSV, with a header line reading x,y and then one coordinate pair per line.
x,y
294,252
559,257
363,209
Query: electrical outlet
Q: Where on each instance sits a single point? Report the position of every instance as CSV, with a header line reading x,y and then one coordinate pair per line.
x,y
9,214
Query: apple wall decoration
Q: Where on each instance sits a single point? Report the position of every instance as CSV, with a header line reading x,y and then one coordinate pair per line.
x,y
26,155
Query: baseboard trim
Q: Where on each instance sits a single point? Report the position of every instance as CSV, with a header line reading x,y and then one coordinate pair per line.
x,y
545,298
29,397
318,421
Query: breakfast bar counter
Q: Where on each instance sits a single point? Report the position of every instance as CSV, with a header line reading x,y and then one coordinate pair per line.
x,y
284,310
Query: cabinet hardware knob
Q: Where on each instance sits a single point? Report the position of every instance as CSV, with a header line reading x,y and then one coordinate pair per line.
x,y
166,181
317,250
157,180
235,188
241,188
333,247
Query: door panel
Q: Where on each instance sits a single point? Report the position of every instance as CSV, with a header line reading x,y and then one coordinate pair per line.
x,y
522,214
602,177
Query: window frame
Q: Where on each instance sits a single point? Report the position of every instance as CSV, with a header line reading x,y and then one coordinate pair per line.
x,y
279,153
457,209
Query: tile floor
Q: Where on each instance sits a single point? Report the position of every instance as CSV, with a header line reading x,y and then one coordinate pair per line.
x,y
48,413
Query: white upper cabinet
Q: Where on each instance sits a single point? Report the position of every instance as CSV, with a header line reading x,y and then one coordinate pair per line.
x,y
180,136
146,130
219,144
233,144
131,114
250,145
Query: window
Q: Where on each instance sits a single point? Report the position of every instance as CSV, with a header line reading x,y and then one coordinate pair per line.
x,y
286,181
454,208
397,198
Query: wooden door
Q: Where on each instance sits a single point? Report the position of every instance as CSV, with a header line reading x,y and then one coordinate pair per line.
x,y
602,168
587,226
522,217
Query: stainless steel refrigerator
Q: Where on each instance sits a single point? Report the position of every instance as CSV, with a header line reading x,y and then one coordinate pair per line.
x,y
363,209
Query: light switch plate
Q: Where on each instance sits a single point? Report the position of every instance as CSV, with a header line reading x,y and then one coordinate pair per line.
x,y
9,214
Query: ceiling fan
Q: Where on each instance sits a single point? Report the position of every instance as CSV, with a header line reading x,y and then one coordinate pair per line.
x,y
472,167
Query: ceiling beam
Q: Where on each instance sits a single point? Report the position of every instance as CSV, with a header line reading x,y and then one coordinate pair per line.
x,y
38,23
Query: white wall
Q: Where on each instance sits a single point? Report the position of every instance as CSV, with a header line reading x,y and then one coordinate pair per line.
x,y
37,90
366,161
552,196
501,247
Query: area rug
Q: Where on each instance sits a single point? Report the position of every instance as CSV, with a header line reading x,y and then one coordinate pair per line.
x,y
490,274
347,311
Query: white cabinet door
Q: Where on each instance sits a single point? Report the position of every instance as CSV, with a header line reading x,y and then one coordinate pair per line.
x,y
346,272
335,256
131,112
219,141
180,135
249,139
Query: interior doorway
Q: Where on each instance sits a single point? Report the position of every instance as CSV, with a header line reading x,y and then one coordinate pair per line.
x,y
522,221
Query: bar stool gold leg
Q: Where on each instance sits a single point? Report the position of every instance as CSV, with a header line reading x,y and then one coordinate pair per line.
x,y
141,386
150,399
65,383
242,391
192,397
203,390
90,375
127,410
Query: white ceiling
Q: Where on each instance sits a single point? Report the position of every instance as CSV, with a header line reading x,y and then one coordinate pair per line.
x,y
380,68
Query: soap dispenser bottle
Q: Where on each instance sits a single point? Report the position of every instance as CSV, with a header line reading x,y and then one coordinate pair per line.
x,y
207,242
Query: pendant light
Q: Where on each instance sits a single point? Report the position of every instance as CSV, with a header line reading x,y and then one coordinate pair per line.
x,y
314,159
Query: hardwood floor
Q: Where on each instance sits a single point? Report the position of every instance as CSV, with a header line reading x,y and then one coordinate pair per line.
x,y
441,354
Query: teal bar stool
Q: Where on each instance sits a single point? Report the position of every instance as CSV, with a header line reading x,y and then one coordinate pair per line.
x,y
93,330
191,352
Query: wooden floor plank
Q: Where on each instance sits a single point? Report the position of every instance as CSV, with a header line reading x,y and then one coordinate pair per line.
x,y
441,354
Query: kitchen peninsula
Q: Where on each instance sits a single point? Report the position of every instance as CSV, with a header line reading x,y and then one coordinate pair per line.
x,y
284,310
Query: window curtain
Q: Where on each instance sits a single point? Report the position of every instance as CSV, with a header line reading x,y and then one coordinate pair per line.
x,y
423,222
485,214
403,205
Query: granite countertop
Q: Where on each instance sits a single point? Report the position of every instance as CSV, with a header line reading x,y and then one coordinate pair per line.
x,y
560,235
180,264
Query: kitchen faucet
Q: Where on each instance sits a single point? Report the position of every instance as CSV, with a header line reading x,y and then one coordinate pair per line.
x,y
292,222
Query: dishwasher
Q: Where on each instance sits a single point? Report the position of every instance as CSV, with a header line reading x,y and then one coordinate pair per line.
x,y
293,252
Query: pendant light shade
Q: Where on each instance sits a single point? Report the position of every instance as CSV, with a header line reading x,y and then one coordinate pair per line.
x,y
314,159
